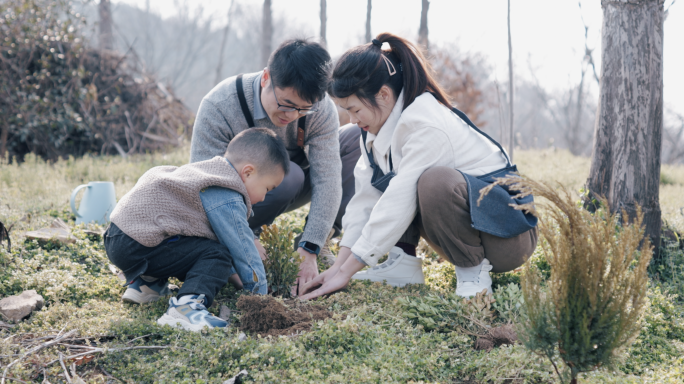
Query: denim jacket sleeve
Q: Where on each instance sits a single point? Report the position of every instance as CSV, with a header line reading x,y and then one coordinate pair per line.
x,y
227,214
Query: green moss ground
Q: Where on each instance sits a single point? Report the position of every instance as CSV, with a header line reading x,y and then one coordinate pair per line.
x,y
383,338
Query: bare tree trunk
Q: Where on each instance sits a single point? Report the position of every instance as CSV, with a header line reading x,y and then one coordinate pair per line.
x,y
266,33
368,21
3,141
148,60
219,66
106,36
423,30
324,22
510,84
625,164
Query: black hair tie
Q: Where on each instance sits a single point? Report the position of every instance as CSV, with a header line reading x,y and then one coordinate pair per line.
x,y
376,42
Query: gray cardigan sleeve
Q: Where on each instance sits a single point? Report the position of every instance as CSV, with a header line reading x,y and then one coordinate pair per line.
x,y
325,171
210,134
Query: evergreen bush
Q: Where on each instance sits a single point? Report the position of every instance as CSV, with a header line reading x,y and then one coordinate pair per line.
x,y
591,307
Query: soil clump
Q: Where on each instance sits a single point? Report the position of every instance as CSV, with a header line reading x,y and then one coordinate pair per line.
x,y
266,316
495,337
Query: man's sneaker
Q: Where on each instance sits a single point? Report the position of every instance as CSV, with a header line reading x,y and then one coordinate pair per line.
x,y
142,291
189,313
471,288
399,269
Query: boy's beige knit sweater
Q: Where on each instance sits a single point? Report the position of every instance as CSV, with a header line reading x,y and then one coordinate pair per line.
x,y
165,201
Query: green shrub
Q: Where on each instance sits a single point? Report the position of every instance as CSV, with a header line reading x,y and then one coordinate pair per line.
x,y
591,307
449,312
668,269
509,302
663,322
64,98
282,263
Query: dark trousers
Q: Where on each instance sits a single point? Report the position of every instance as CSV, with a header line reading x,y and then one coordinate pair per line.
x,y
202,264
295,190
443,220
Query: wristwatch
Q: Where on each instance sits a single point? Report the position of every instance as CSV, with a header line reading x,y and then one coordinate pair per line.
x,y
310,247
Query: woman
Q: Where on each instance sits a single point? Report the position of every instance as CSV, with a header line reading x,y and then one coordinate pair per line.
x,y
411,133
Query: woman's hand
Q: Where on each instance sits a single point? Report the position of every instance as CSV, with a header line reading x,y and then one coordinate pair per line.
x,y
328,274
335,280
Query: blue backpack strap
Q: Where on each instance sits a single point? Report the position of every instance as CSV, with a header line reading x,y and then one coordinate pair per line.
x,y
465,118
370,154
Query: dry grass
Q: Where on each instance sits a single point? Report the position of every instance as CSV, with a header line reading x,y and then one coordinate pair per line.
x,y
559,165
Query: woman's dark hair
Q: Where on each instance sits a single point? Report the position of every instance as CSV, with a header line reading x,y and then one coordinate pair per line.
x,y
362,71
303,65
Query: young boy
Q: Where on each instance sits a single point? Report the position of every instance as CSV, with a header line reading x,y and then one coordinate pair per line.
x,y
190,222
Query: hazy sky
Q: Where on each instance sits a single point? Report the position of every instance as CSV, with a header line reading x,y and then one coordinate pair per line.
x,y
548,36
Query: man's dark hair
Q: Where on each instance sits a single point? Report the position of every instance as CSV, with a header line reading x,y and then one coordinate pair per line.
x,y
303,65
259,147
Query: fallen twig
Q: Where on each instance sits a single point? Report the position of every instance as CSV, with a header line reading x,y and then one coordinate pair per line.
x,y
107,350
66,373
21,381
34,350
140,337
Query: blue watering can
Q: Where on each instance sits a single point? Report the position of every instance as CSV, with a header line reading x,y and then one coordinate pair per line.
x,y
98,202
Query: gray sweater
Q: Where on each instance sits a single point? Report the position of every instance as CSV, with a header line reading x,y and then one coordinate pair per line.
x,y
220,118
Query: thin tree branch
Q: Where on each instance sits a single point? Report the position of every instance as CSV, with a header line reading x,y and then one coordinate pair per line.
x,y
107,350
34,350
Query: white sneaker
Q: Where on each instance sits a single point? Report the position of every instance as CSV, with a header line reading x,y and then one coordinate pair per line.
x,y
471,288
399,269
189,313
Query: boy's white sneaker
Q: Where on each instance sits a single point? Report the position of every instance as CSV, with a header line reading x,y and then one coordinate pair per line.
x,y
189,313
399,269
471,288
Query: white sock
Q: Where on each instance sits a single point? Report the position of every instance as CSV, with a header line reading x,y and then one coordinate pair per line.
x,y
469,273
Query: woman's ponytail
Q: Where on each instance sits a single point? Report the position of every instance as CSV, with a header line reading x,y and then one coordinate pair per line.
x,y
363,70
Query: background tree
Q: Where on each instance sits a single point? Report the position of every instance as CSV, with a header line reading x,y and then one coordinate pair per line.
x,y
226,30
511,143
266,33
106,36
368,21
423,30
625,166
324,22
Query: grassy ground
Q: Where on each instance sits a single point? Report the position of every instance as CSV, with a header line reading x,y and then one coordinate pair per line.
x,y
387,334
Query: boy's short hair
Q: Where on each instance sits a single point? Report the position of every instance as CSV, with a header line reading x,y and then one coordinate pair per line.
x,y
301,64
259,147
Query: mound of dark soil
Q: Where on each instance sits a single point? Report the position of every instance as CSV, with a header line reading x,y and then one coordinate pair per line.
x,y
267,316
497,336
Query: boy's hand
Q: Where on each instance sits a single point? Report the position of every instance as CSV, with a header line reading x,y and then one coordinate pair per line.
x,y
308,269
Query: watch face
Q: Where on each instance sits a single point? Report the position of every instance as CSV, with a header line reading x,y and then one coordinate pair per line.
x,y
309,247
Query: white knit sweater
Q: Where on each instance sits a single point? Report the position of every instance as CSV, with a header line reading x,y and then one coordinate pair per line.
x,y
425,135
165,201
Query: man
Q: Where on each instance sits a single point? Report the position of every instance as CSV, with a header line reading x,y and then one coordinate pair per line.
x,y
289,97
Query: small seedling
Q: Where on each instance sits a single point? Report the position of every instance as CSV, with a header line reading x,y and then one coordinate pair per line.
x,y
282,264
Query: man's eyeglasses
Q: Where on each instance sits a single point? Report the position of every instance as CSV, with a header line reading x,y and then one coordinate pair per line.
x,y
285,108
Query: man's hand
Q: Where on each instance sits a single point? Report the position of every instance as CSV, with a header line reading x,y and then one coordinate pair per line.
x,y
260,248
308,269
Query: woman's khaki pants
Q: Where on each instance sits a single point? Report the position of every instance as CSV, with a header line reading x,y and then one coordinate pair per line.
x,y
443,220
